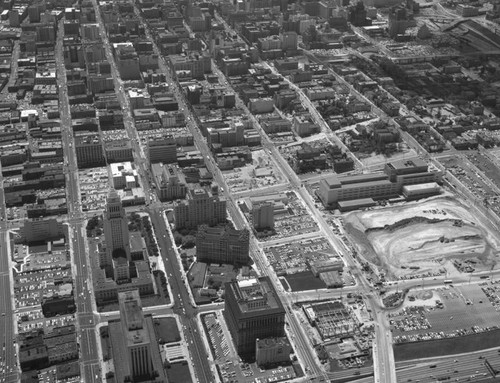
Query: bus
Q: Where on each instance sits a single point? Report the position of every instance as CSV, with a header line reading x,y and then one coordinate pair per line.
x,y
448,281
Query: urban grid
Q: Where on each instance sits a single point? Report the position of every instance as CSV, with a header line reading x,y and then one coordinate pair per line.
x,y
249,191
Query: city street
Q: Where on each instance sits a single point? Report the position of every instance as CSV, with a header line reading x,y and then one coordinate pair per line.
x,y
9,370
84,298
180,294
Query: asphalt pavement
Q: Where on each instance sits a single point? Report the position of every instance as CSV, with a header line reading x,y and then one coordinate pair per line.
x,y
85,314
9,370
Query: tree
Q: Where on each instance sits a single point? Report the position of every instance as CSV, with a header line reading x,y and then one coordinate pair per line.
x,y
188,241
177,238
93,223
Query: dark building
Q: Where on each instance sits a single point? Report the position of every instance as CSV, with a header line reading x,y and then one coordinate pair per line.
x,y
222,245
136,354
58,306
253,311
398,21
357,15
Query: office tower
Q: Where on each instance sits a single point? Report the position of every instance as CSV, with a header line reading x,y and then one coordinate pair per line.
x,y
253,311
263,215
162,150
289,40
136,353
357,15
222,245
116,228
89,151
398,21
201,207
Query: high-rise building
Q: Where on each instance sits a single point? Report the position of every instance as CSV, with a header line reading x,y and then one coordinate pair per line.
x,y
289,40
136,353
263,215
170,182
116,228
89,150
222,245
253,311
127,61
201,207
357,15
398,21
121,265
138,340
162,150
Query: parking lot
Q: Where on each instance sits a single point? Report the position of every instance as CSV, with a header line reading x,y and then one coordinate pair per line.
x,y
45,323
475,181
94,186
29,287
486,166
465,310
291,258
293,219
260,173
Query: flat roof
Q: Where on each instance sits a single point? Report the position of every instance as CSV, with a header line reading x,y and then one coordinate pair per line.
x,y
357,202
367,184
429,185
255,296
360,178
404,164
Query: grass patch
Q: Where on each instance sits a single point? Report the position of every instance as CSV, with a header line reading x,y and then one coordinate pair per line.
x,y
304,280
196,275
179,373
166,330
442,347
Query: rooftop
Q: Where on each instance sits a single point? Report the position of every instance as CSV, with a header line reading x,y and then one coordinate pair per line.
x,y
256,295
131,310
404,164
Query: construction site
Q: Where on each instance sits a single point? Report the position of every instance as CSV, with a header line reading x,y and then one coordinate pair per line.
x,y
418,238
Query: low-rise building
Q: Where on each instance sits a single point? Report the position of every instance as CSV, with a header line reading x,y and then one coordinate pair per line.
x,y
272,351
118,151
124,175
397,174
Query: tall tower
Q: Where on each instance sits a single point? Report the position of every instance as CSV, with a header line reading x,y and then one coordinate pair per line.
x,y
116,228
263,216
253,310
138,338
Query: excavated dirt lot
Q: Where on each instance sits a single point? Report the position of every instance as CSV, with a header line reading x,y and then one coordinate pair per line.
x,y
423,235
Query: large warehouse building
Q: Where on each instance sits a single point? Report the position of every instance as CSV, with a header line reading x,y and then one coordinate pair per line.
x,y
390,183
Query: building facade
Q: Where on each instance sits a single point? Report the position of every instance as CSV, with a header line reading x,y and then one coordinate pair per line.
x,y
136,353
222,245
397,174
272,351
162,150
201,207
170,182
263,216
253,311
116,228
89,151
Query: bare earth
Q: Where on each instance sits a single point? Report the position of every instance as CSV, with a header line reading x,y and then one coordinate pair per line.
x,y
425,233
